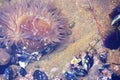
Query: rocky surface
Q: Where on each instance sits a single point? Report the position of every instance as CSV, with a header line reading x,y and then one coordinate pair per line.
x,y
85,31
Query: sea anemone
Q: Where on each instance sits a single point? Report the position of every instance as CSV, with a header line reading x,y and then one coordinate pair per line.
x,y
32,24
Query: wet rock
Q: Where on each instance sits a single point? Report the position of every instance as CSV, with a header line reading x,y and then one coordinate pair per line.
x,y
105,72
4,57
115,76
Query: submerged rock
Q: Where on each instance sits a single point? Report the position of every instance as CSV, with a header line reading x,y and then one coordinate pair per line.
x,y
4,57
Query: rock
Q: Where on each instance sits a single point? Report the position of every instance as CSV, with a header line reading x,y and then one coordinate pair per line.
x,y
54,69
4,57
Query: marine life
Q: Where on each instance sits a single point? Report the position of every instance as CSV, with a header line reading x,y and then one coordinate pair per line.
x,y
33,25
4,57
116,21
22,71
70,76
84,65
59,40
112,40
40,75
9,74
115,16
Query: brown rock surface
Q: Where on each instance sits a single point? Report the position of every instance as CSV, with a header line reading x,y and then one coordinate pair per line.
x,y
85,30
4,57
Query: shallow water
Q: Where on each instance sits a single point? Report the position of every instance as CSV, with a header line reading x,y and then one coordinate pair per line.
x,y
84,32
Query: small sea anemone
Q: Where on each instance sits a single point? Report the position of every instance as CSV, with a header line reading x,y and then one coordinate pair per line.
x,y
32,24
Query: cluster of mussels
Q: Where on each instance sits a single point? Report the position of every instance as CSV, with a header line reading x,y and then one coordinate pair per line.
x,y
112,41
29,30
81,66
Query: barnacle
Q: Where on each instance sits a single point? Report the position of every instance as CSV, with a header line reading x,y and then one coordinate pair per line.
x,y
32,24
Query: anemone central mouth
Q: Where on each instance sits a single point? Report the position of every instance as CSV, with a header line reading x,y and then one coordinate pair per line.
x,y
34,26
